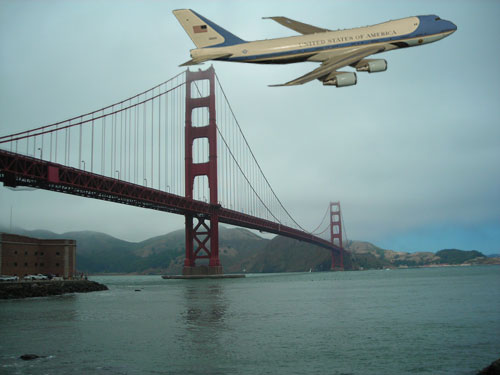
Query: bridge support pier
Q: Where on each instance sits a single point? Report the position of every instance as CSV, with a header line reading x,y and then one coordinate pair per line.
x,y
202,239
202,243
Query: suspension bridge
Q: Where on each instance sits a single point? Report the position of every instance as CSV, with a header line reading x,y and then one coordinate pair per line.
x,y
176,147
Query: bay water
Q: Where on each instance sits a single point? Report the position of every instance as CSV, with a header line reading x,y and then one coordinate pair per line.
x,y
409,321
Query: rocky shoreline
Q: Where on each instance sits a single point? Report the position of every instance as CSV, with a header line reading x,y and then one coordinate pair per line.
x,y
45,288
493,369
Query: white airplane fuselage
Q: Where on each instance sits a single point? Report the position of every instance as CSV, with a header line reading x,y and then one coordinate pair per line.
x,y
333,49
405,32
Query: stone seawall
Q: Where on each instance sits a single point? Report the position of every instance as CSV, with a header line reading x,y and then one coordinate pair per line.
x,y
44,288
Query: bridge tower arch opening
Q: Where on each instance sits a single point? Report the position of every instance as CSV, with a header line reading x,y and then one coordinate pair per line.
x,y
202,231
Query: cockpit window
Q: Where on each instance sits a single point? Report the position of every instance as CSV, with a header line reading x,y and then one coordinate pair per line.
x,y
437,19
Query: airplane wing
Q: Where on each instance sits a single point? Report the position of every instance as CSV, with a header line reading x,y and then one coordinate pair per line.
x,y
330,65
302,28
202,59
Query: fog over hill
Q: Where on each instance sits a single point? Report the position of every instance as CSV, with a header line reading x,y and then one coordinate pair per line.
x,y
241,251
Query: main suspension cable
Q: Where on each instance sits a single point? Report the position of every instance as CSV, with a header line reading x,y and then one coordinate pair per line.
x,y
253,156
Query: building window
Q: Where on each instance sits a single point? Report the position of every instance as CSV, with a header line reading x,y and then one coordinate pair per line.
x,y
36,252
57,264
41,264
41,253
36,264
57,253
15,252
15,264
25,253
25,264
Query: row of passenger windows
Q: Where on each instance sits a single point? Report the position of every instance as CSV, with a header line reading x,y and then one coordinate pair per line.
x,y
36,253
36,264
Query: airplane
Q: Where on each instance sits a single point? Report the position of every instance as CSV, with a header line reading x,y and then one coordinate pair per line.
x,y
333,49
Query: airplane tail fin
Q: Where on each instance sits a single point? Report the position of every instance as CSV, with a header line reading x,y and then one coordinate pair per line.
x,y
203,32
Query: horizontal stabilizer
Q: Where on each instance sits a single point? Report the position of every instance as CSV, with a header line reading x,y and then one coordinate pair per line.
x,y
202,59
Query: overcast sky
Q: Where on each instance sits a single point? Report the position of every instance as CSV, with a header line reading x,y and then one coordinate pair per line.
x,y
413,153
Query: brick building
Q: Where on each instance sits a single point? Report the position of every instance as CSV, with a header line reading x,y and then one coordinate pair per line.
x,y
20,256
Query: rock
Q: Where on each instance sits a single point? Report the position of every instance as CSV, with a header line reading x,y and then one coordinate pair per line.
x,y
493,369
29,357
49,288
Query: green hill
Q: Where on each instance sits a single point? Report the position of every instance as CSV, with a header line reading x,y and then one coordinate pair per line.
x,y
454,256
240,250
286,255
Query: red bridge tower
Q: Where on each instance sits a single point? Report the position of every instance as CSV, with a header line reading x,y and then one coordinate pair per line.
x,y
202,237
336,234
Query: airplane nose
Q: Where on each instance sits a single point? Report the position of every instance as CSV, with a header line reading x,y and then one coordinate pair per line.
x,y
452,26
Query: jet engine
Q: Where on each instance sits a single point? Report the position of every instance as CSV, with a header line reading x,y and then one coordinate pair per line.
x,y
371,65
340,79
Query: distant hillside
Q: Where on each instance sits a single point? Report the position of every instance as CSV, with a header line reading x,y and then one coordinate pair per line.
x,y
101,253
241,250
367,255
454,256
286,255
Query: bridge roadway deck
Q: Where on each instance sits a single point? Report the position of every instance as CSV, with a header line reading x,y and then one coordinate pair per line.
x,y
20,170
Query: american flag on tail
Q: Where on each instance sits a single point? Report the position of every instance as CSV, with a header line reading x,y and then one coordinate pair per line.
x,y
200,29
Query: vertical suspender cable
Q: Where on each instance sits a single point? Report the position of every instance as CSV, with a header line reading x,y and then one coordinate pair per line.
x,y
159,140
130,135
152,132
92,149
103,145
144,181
